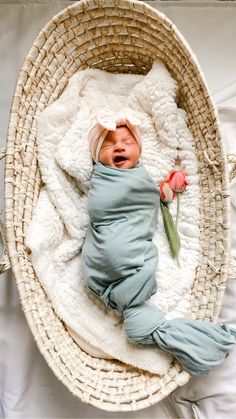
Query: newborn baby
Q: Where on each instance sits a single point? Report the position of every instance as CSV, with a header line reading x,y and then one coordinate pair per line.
x,y
119,258
123,204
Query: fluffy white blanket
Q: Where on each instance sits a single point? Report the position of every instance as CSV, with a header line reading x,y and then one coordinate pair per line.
x,y
57,230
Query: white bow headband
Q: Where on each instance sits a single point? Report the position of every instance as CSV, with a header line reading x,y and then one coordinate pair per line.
x,y
107,121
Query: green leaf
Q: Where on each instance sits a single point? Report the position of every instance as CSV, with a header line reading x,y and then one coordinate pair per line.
x,y
171,231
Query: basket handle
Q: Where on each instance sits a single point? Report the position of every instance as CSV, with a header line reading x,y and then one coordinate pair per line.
x,y
4,261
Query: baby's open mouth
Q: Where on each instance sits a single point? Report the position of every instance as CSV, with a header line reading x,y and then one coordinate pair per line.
x,y
119,159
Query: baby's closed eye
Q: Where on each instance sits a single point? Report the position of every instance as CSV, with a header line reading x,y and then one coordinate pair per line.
x,y
107,144
104,147
129,142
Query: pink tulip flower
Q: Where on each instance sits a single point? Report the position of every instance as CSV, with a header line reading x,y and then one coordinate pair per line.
x,y
177,181
167,194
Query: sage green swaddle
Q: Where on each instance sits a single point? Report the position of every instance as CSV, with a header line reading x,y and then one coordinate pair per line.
x,y
119,261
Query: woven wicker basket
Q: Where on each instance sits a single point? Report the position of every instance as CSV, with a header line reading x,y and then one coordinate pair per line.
x,y
118,36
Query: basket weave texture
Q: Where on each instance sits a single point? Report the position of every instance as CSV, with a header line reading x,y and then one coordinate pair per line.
x,y
118,36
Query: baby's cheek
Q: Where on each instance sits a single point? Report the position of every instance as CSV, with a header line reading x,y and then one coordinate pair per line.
x,y
105,157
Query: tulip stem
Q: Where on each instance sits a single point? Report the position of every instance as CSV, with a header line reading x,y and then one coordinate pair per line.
x,y
177,212
177,260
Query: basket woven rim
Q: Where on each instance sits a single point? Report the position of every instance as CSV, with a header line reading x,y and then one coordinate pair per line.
x,y
18,259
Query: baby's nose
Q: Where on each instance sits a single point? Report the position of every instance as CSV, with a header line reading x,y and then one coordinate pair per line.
x,y
119,147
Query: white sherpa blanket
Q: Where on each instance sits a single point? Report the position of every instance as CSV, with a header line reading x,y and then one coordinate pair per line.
x,y
57,230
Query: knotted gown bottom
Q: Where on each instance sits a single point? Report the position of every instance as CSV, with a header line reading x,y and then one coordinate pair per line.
x,y
119,262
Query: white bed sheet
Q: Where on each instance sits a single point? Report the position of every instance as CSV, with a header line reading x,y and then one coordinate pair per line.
x,y
28,388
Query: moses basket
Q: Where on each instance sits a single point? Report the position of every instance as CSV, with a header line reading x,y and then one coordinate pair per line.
x,y
123,36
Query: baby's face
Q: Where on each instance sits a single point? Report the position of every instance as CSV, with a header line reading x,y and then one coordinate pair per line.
x,y
120,149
